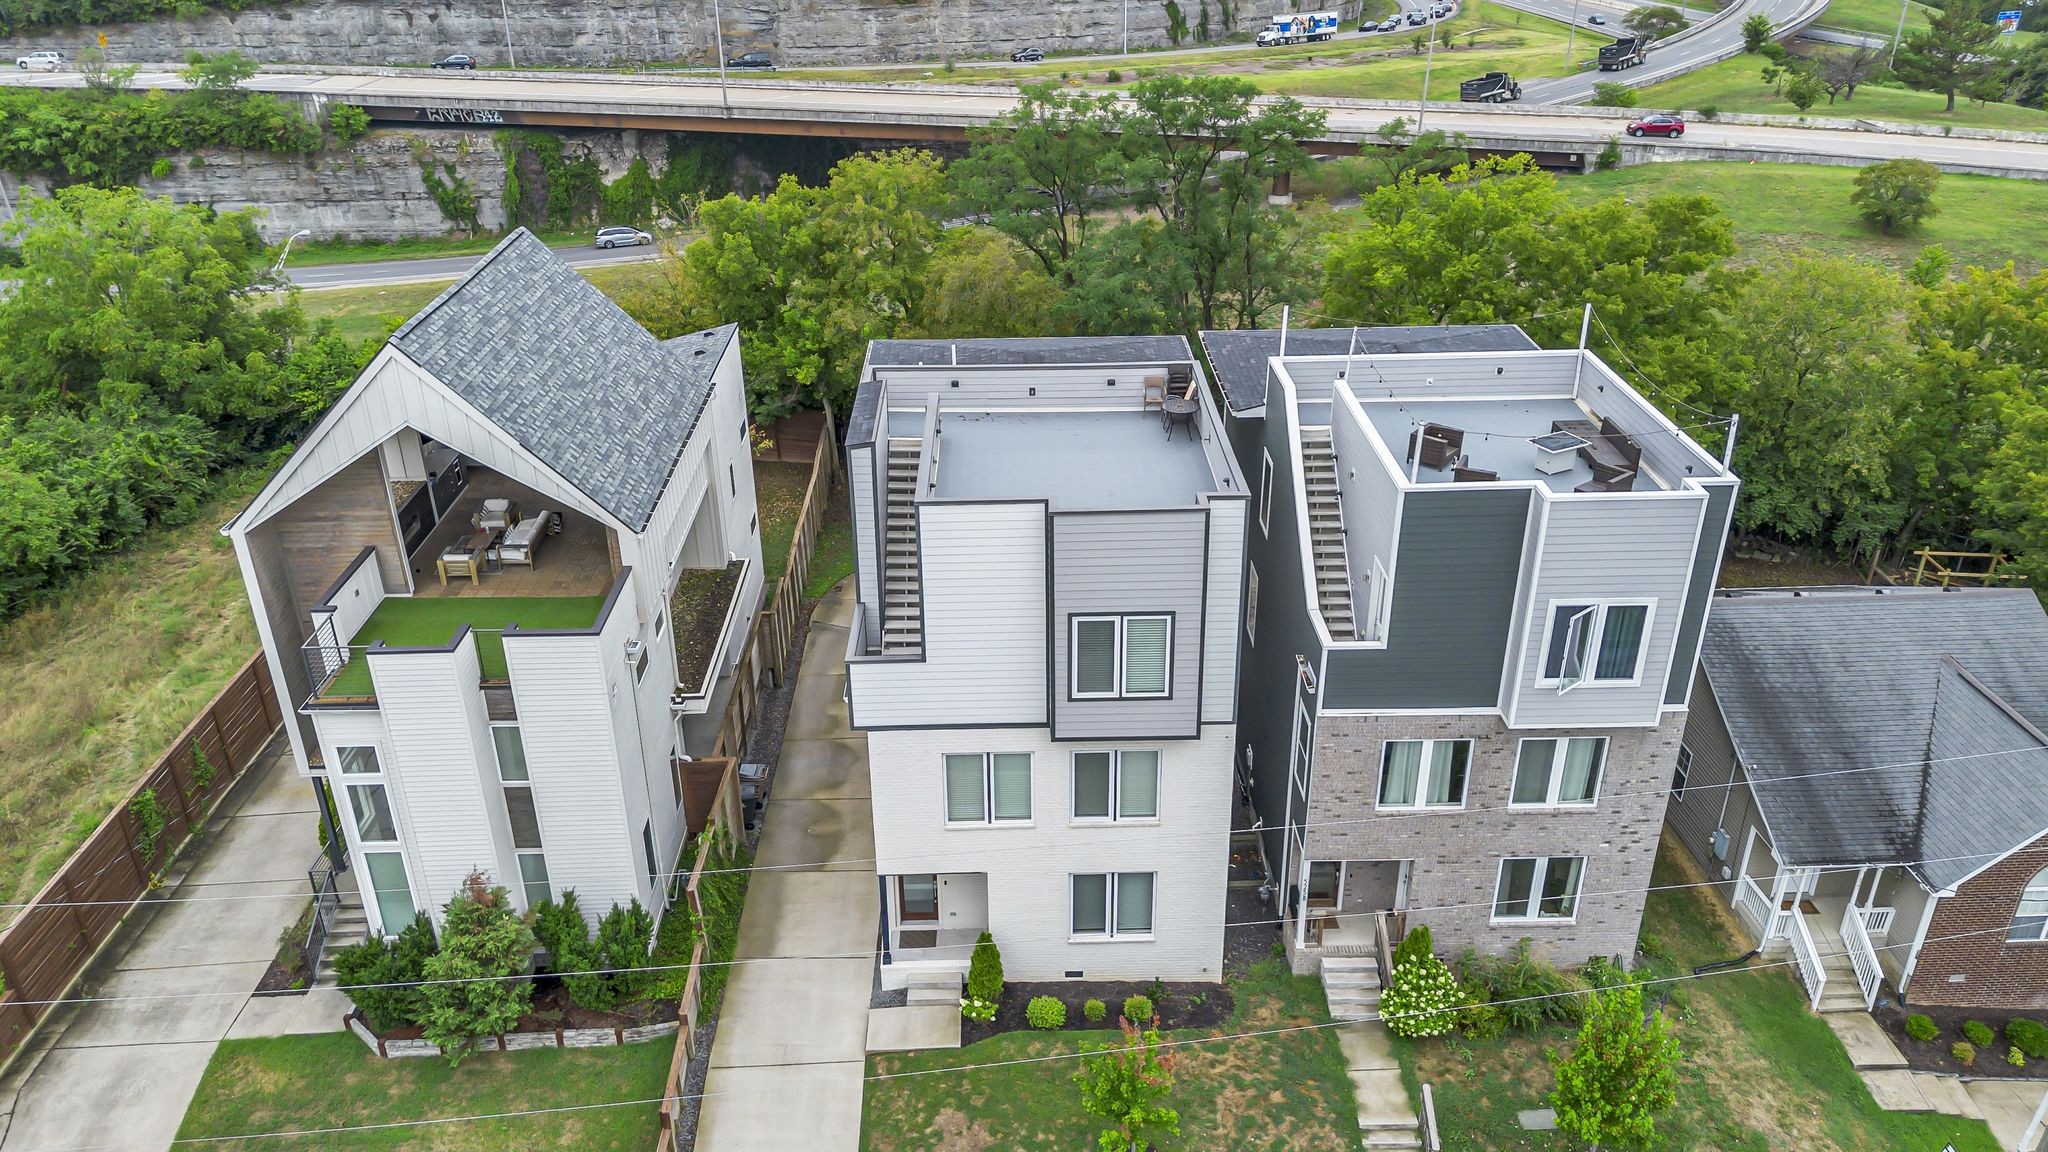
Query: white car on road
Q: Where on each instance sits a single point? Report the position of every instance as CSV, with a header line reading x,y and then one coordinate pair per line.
x,y
45,60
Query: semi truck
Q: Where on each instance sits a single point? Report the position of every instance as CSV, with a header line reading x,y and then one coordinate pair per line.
x,y
1627,52
1298,28
1492,88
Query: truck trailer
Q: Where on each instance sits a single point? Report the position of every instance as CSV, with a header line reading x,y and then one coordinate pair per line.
x,y
1626,52
1298,28
1492,88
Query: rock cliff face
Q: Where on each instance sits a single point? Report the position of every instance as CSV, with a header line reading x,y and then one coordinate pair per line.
x,y
618,32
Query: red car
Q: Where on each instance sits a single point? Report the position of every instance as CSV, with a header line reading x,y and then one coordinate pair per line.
x,y
1671,126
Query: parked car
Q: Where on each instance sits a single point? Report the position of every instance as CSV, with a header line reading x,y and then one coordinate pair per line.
x,y
459,60
1027,56
1596,18
616,237
41,60
1672,126
751,60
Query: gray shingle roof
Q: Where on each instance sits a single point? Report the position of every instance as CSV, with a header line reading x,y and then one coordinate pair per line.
x,y
1032,350
561,369
1238,358
1849,679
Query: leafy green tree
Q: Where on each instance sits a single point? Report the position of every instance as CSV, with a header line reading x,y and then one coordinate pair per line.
x,y
217,75
983,283
1045,173
1655,20
1621,1073
468,995
1756,32
1613,94
1803,89
1952,54
1894,196
1125,1084
1431,152
1132,281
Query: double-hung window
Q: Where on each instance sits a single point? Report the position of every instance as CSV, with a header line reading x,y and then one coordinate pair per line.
x,y
1538,888
1595,643
1424,773
1681,773
988,788
2030,922
1551,772
1116,786
521,812
1112,905
369,805
1121,656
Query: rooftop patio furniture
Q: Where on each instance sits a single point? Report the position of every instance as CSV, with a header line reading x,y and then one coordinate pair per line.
x,y
1180,413
466,558
1619,482
1441,445
1608,451
523,539
1155,391
1464,474
497,513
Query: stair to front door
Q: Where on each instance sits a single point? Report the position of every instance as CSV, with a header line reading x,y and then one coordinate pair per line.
x,y
1326,533
1352,986
351,926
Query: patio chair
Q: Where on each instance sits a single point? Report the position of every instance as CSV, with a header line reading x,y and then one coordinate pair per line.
x,y
1440,445
1155,392
523,540
1464,474
1619,482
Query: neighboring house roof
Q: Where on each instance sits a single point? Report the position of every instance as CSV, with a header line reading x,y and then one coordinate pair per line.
x,y
1938,698
1032,350
1238,358
545,356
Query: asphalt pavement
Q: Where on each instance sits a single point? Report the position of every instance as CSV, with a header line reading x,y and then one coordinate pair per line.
x,y
318,276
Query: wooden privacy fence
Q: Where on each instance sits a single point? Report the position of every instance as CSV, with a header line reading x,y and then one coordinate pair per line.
x,y
46,947
722,812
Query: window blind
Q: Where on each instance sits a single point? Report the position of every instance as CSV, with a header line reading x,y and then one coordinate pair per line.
x,y
1620,638
1134,902
1532,772
1145,656
525,820
1400,768
1581,770
511,752
1091,904
1012,773
1091,785
1447,762
1138,786
1517,879
965,798
1094,657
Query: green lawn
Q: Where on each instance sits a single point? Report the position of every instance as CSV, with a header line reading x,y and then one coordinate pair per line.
x,y
1882,17
313,252
298,1083
1502,39
407,622
1761,1072
833,559
1735,86
1281,1092
1983,220
368,312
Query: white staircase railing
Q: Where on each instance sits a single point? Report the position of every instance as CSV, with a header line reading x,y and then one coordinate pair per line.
x,y
1878,921
1750,899
1812,972
1862,955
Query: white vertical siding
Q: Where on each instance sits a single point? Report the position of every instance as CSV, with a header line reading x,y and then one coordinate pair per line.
x,y
1368,496
860,490
354,600
1223,612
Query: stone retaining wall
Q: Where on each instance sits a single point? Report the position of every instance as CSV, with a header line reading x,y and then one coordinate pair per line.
x,y
517,1041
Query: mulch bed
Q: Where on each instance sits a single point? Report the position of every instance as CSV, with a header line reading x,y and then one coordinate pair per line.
x,y
552,1009
697,617
1933,1056
1182,1006
279,980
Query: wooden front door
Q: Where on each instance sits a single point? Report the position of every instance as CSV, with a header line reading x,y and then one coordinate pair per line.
x,y
917,899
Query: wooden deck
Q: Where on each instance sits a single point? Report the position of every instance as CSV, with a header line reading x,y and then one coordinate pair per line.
x,y
575,562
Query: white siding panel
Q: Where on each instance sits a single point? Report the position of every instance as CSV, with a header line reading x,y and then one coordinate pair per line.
x,y
1369,498
860,488
354,601
984,624
1121,563
985,387
1436,375
1224,611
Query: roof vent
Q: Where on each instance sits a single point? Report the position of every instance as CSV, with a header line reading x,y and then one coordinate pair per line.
x,y
698,352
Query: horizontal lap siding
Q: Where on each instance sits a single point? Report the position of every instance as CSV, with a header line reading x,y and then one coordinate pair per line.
x,y
1122,563
1056,387
1223,620
1708,803
1706,562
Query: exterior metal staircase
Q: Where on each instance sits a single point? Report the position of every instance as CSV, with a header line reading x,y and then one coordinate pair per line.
x,y
1326,533
902,617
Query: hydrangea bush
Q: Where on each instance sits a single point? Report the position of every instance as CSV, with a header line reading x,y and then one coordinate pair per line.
x,y
1424,999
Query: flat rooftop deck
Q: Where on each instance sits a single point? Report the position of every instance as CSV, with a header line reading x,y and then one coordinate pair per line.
x,y
1074,459
1497,435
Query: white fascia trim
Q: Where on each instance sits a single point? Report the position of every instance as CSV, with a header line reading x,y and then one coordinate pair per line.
x,y
257,509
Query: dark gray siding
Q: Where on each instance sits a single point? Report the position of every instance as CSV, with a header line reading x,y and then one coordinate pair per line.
x,y
1713,536
1117,563
1709,801
1455,575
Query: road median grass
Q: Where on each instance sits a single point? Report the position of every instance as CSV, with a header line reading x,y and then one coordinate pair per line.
x,y
1737,86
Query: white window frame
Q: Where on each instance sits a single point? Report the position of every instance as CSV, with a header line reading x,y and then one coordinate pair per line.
x,y
2036,890
505,787
1681,773
989,819
1122,657
1598,607
1536,879
1422,777
351,830
1555,779
1116,786
1251,606
1266,494
1109,932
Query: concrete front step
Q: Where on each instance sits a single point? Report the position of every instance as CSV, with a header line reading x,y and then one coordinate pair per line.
x,y
1393,1138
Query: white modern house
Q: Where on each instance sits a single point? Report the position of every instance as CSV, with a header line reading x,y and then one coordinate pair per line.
x,y
1049,538
502,585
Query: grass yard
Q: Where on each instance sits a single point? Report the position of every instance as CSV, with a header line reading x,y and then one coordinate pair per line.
x,y
1876,16
298,1083
369,251
1983,220
833,559
372,311
406,622
1503,39
100,678
1735,86
1285,1092
1760,1072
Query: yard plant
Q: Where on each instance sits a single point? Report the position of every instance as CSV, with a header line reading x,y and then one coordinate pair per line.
x,y
1620,1075
1126,1084
468,994
382,978
2029,1036
1046,1012
1894,196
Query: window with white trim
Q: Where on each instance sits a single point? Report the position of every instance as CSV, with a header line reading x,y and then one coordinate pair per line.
x,y
1681,772
2030,922
1266,494
1538,888
1550,772
1112,905
521,812
1110,786
1424,773
988,788
1251,604
376,829
1595,642
1121,656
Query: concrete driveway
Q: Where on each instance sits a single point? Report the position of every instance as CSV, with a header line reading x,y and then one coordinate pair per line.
x,y
787,1067
121,1073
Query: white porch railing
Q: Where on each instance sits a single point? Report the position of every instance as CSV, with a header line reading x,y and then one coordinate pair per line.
x,y
1750,900
1806,953
1877,922
1862,954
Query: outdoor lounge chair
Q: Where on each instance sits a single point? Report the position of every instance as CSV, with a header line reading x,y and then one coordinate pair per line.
x,y
1441,446
523,539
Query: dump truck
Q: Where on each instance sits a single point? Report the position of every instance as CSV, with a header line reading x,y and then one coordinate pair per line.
x,y
1492,88
1298,28
1626,52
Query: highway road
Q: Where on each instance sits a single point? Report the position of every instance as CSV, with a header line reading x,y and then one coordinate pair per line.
x,y
318,276
1717,41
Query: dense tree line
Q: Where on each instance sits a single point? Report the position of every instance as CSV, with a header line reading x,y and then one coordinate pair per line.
x,y
19,16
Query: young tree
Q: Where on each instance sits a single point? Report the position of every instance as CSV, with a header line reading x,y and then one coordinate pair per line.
x,y
216,76
1126,1084
468,997
1655,20
1803,89
1894,196
1842,69
1621,1073
1612,94
1953,53
1756,32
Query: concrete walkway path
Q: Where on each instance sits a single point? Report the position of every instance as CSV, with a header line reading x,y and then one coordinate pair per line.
x,y
121,1073
787,1067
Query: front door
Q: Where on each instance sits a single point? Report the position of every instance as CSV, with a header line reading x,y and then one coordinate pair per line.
x,y
917,899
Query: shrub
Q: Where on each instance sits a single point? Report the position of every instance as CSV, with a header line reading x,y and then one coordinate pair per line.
x,y
1601,972
1894,196
624,937
1622,1072
1417,944
2015,1057
366,970
1612,94
558,925
1113,76
1921,1028
347,122
985,971
1424,998
972,1009
1526,990
1094,1010
1480,1020
2029,1036
1709,111
1609,156
482,942
1125,1085
1964,1052
1138,1010
1977,1032
1046,1012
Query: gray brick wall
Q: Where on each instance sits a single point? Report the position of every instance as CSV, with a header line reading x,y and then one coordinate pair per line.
x,y
1457,854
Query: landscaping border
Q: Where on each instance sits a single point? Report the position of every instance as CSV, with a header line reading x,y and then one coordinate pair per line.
x,y
618,1035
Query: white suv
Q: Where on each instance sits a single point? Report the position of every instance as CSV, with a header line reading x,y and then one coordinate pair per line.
x,y
46,60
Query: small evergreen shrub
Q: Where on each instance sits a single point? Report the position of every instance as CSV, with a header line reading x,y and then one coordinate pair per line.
x,y
1709,111
2029,1036
1046,1012
1964,1052
1977,1032
367,971
1094,1010
1921,1028
1138,1010
1413,946
2015,1057
1113,76
483,942
985,971
624,938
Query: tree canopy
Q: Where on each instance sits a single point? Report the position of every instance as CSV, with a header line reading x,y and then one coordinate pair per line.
x,y
1951,55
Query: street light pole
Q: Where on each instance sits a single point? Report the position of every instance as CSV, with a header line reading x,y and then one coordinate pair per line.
x,y
277,269
1571,31
1127,27
505,14
1898,35
718,32
1422,109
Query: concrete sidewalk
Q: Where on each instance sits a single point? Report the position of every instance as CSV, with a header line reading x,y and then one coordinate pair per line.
x,y
121,1073
787,1067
